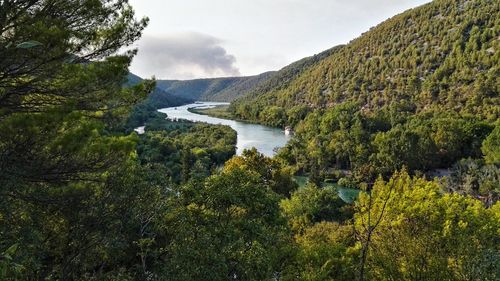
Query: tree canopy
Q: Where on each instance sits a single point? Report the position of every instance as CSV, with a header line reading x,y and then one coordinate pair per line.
x,y
83,197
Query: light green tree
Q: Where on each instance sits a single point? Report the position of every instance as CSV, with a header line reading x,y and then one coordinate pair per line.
x,y
491,146
408,229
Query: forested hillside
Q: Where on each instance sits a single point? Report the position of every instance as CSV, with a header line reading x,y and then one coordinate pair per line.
x,y
147,109
420,91
157,97
213,89
280,79
441,56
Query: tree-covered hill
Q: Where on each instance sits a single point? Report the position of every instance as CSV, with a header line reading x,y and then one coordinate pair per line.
x,y
280,79
419,90
213,89
442,55
158,97
147,109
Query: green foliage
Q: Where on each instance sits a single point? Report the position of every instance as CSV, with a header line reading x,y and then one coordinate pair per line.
x,y
275,174
60,70
491,146
411,231
310,205
186,149
228,227
8,267
323,253
61,161
245,107
370,144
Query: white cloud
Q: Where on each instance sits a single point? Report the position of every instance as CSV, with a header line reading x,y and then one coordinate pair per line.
x,y
183,56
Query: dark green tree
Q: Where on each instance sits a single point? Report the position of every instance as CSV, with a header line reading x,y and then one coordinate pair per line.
x,y
228,227
61,99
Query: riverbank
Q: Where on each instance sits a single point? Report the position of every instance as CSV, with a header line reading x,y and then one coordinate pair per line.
x,y
265,139
221,111
218,111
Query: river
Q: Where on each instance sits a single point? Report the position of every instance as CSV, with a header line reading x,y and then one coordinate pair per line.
x,y
264,138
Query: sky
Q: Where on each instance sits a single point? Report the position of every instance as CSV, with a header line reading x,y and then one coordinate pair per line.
x,y
188,39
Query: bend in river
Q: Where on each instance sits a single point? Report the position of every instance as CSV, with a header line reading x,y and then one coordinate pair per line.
x,y
264,138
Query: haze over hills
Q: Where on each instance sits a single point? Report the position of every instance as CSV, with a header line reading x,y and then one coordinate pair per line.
x,y
281,78
146,109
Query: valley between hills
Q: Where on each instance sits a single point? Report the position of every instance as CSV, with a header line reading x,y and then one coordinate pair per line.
x,y
389,169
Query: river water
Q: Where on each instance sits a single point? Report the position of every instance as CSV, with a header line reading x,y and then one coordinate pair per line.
x,y
264,138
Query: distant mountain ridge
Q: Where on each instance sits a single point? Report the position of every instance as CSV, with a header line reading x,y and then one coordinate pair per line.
x,y
147,109
228,89
158,98
224,89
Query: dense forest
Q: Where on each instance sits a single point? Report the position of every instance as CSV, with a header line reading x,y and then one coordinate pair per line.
x,y
83,197
419,91
440,56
